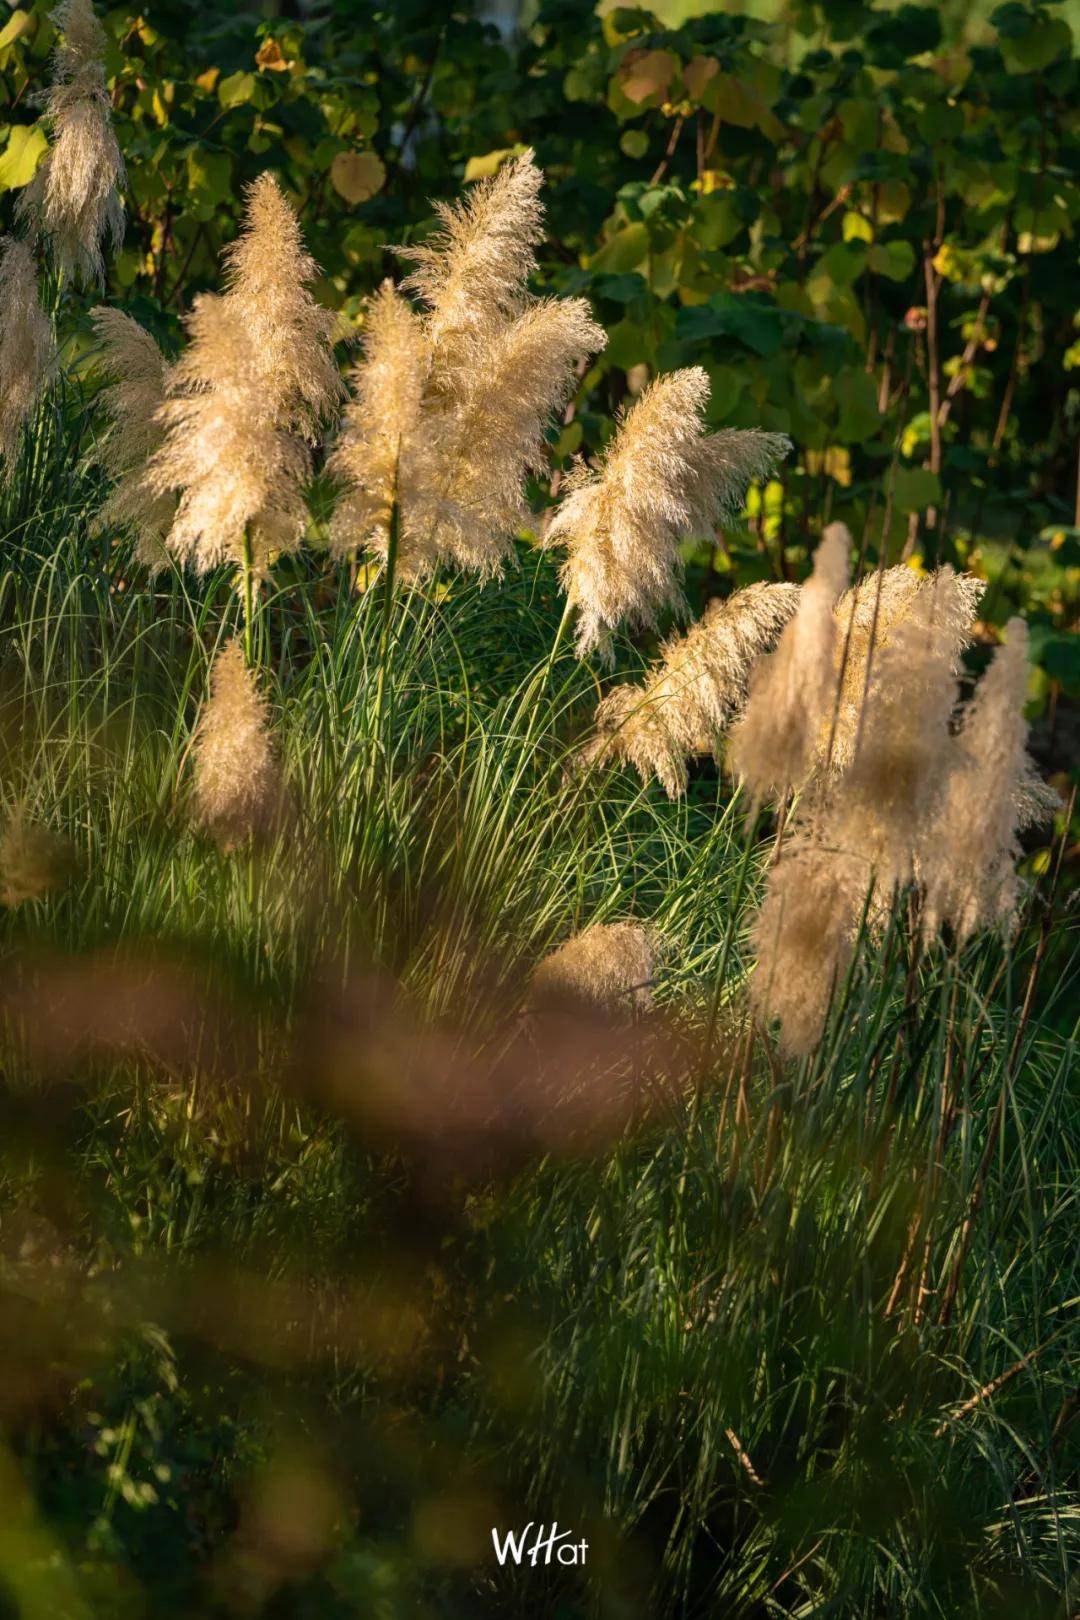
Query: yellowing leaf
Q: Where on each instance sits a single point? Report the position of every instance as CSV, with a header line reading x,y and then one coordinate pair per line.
x,y
19,23
25,148
207,80
479,168
356,176
857,229
270,57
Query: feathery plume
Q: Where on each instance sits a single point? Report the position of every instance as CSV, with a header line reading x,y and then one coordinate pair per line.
x,y
27,346
662,480
239,475
379,456
74,198
803,936
237,784
867,618
792,689
138,373
888,796
689,698
993,791
33,860
471,273
609,966
268,270
488,433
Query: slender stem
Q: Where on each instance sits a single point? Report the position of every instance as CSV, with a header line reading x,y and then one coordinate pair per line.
x,y
249,598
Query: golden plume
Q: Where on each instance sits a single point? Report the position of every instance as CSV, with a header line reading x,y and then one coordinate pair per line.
x,y
138,374
690,696
237,783
662,480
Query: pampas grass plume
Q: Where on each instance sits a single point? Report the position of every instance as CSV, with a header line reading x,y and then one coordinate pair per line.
x,y
992,792
138,373
689,698
662,480
240,477
267,275
74,197
607,966
237,784
803,936
27,347
792,689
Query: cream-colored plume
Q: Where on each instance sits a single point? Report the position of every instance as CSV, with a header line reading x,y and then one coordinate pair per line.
x,y
138,373
452,406
993,791
867,618
888,797
662,480
792,690
689,698
268,271
472,272
27,347
381,452
804,934
609,966
237,784
238,473
74,197
488,432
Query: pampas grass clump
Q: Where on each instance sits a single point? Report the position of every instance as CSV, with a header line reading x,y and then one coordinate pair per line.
x,y
607,966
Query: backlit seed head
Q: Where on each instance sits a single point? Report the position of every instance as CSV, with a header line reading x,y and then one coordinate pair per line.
x,y
237,782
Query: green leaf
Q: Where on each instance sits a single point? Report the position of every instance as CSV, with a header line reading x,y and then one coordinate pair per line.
x,y
856,394
895,260
756,326
25,148
625,251
236,89
209,176
915,488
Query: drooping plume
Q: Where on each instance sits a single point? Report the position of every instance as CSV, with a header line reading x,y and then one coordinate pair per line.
x,y
472,272
888,797
27,347
689,698
268,272
607,966
381,453
138,374
867,619
237,472
237,784
792,690
74,197
662,480
491,365
804,934
992,792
